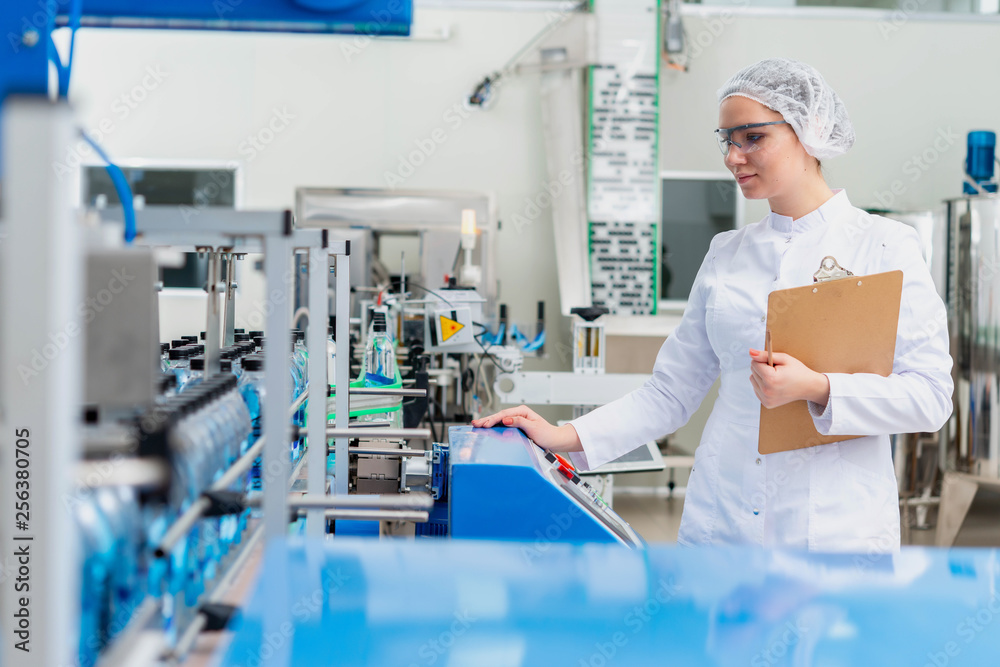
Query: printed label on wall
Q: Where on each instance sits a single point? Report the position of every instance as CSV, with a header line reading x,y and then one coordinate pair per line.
x,y
623,186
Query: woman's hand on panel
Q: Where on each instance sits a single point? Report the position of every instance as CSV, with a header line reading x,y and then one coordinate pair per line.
x,y
554,438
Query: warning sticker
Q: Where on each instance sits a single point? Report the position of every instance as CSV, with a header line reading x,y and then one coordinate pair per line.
x,y
449,327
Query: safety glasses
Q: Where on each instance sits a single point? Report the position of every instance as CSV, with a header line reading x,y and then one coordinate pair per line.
x,y
743,137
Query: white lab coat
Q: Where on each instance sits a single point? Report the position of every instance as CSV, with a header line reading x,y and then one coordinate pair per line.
x,y
834,497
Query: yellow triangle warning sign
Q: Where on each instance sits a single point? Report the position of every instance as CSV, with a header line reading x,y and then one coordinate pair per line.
x,y
449,327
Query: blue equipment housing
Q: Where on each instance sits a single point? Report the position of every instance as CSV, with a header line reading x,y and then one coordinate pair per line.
x,y
463,602
502,487
979,161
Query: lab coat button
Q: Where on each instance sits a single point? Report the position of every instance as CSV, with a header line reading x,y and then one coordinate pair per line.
x,y
756,511
763,318
758,461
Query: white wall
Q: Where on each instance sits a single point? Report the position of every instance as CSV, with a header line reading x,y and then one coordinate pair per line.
x,y
358,110
906,85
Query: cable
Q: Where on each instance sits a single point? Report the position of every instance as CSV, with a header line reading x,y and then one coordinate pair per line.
x,y
482,94
485,349
303,310
444,423
121,187
410,283
64,72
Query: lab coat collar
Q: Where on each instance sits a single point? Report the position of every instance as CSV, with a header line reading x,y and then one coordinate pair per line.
x,y
833,207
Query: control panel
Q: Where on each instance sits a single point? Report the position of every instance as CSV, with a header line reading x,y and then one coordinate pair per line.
x,y
503,486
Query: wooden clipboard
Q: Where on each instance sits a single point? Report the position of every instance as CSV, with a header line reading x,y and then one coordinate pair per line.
x,y
840,325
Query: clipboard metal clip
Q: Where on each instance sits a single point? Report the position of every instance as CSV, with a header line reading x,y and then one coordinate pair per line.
x,y
830,269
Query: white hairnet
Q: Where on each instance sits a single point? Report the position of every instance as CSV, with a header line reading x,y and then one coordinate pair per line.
x,y
799,93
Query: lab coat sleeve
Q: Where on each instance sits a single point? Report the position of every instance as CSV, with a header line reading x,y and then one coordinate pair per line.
x,y
916,397
685,369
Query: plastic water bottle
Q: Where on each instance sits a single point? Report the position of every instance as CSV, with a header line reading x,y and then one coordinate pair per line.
x,y
196,371
121,510
296,369
302,354
179,365
380,359
251,388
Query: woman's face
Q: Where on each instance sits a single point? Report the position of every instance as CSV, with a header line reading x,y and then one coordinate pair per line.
x,y
779,161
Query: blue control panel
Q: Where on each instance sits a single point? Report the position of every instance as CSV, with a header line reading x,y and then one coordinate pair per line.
x,y
504,487
463,602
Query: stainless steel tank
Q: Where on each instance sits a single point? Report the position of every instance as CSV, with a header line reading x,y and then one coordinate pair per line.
x,y
971,293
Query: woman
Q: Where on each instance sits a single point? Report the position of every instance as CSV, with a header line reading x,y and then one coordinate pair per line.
x,y
778,119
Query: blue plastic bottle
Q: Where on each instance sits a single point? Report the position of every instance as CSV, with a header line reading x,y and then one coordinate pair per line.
x,y
179,365
196,371
252,390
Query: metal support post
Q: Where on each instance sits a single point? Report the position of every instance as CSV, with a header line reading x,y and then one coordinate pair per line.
x,y
42,308
213,316
343,367
319,278
274,472
227,334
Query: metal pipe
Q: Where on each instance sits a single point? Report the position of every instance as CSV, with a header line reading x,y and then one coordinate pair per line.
x,y
299,401
381,391
106,444
187,640
392,453
138,473
134,640
343,365
410,501
376,515
920,502
388,433
181,527
185,521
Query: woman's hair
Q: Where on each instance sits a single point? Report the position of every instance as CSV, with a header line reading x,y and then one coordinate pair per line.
x,y
799,93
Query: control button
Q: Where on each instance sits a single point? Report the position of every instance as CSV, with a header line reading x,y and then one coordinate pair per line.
x,y
756,511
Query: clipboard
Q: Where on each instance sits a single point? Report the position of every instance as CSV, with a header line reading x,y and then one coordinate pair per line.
x,y
841,323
